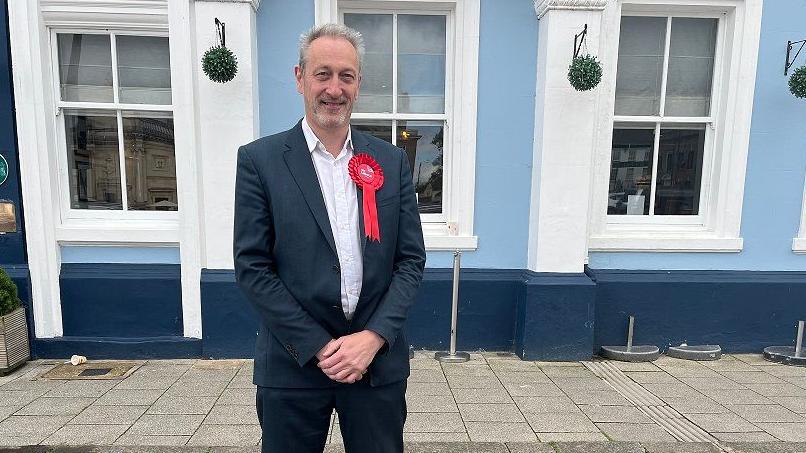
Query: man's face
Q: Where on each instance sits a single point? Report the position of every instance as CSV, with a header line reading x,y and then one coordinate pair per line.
x,y
330,82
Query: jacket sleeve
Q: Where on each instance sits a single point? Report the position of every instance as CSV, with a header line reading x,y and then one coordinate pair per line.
x,y
390,316
256,269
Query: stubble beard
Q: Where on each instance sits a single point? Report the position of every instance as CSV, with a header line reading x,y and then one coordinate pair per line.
x,y
327,121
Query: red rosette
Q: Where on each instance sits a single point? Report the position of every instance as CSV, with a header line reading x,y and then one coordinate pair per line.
x,y
368,176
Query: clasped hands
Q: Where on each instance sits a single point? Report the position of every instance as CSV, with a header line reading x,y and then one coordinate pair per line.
x,y
346,359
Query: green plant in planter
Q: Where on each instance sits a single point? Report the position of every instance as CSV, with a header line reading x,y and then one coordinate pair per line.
x,y
585,72
797,82
220,64
9,300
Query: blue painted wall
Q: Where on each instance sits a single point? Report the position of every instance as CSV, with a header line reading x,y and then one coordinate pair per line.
x,y
109,254
775,167
505,130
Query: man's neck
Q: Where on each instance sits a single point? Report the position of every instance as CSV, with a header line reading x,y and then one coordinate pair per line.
x,y
332,139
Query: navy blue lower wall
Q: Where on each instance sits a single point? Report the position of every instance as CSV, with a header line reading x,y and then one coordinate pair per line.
x,y
489,304
741,311
120,311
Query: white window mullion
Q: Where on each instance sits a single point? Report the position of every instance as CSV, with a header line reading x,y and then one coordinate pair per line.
x,y
394,66
124,196
115,82
394,132
655,153
664,79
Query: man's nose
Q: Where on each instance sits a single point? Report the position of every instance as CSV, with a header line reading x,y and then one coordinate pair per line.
x,y
333,88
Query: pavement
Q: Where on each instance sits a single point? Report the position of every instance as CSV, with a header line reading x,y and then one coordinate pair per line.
x,y
493,403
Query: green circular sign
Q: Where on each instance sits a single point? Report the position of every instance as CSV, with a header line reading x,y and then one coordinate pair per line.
x,y
3,169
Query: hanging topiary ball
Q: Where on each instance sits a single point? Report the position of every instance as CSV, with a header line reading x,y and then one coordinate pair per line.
x,y
585,72
797,82
220,64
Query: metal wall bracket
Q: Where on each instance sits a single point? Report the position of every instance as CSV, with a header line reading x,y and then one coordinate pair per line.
x,y
789,46
581,38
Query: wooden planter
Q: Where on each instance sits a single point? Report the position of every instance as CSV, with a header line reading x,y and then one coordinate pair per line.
x,y
14,349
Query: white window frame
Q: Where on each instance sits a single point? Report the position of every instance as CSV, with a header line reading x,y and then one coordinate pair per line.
x,y
799,242
453,228
716,227
68,213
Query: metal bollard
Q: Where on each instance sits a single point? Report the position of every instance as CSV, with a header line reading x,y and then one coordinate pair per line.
x,y
799,342
452,356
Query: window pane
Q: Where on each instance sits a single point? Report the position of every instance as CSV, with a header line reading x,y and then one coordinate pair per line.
x,y
421,64
144,69
85,68
691,67
679,169
422,141
148,140
631,169
640,65
93,159
376,82
379,128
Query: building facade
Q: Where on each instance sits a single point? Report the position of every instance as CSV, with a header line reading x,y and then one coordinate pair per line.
x,y
674,191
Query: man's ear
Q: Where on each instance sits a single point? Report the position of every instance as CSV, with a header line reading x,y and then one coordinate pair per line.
x,y
298,77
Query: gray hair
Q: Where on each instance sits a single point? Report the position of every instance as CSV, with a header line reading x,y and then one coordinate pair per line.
x,y
334,31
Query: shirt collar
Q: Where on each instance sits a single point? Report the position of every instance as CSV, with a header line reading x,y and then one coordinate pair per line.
x,y
313,141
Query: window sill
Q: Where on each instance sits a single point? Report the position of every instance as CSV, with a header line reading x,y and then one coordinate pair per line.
x,y
450,243
658,243
799,245
108,232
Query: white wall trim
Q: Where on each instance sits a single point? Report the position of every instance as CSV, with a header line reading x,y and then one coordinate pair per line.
x,y
656,243
724,189
799,242
543,6
32,96
460,170
255,3
184,83
115,14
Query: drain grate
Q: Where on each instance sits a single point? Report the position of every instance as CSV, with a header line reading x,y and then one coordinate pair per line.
x,y
113,369
656,409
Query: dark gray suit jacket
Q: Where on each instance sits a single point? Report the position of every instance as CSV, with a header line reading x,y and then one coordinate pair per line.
x,y
286,262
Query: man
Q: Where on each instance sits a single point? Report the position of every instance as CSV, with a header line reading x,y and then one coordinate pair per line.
x,y
332,302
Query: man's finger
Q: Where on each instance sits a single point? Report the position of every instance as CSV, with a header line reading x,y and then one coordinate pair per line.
x,y
330,348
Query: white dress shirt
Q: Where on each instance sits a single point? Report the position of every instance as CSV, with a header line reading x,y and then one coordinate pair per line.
x,y
341,201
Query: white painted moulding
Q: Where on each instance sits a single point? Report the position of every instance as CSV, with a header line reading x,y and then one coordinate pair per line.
x,y
543,6
14,350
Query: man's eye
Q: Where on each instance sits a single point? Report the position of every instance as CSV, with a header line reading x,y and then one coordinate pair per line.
x,y
348,77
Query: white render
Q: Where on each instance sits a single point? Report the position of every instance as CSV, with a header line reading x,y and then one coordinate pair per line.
x,y
564,135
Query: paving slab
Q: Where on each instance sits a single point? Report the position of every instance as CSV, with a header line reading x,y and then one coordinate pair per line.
x,y
759,436
499,432
700,405
764,413
435,437
680,447
166,425
533,390
82,388
32,425
599,447
108,415
129,397
431,403
768,447
494,395
529,447
572,437
144,440
726,423
473,382
56,406
599,398
86,435
231,415
433,423
449,447
787,432
226,435
544,404
561,423
651,377
244,397
427,376
491,413
615,414
634,432
427,388
188,405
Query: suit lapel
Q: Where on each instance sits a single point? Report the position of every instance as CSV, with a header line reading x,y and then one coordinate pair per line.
x,y
300,163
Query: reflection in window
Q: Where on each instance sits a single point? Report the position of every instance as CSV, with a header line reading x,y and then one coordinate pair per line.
x,y
144,69
679,171
376,82
85,67
423,142
150,162
631,171
93,162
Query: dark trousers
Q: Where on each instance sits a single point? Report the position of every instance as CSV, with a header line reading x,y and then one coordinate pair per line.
x,y
297,420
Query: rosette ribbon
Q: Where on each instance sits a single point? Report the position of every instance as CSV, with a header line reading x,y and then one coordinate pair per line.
x,y
368,176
